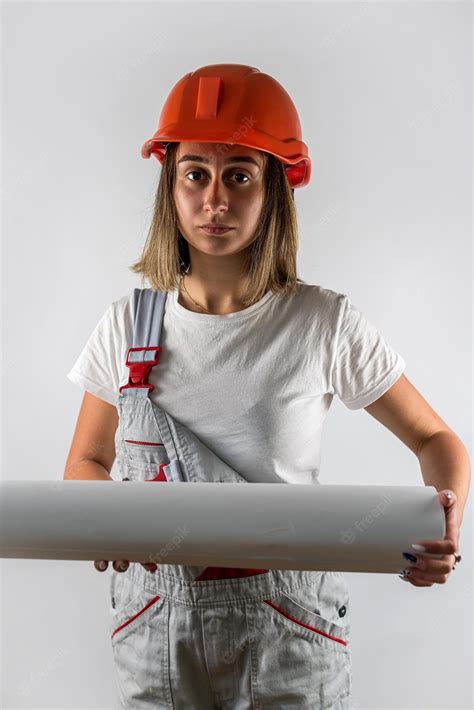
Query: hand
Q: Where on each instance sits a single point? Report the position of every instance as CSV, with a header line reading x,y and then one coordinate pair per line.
x,y
426,571
122,565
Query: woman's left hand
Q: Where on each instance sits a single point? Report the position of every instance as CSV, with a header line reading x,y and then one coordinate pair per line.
x,y
426,571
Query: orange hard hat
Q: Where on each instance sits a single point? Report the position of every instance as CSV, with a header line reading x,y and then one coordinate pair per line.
x,y
233,104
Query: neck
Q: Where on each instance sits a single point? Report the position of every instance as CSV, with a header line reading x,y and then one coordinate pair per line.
x,y
216,298
216,285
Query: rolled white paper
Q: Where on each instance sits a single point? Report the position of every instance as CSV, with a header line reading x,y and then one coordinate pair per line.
x,y
259,525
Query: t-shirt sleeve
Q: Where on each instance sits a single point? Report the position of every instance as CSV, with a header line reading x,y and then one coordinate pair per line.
x,y
365,365
98,367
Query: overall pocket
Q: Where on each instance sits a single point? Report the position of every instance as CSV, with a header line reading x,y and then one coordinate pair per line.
x,y
144,458
139,642
325,602
130,606
300,652
300,620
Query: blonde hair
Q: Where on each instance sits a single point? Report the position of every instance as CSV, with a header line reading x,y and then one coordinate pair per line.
x,y
272,258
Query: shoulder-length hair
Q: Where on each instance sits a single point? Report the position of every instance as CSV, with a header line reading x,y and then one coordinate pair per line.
x,y
271,263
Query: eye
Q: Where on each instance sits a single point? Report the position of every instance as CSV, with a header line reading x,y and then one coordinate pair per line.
x,y
242,175
199,172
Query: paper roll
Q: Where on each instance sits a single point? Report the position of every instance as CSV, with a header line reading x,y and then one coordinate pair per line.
x,y
259,525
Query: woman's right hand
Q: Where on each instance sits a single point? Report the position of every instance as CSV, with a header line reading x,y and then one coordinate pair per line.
x,y
122,565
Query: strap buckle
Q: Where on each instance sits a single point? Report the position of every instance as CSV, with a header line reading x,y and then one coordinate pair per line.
x,y
139,371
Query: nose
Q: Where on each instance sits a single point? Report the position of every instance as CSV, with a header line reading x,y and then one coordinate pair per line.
x,y
215,196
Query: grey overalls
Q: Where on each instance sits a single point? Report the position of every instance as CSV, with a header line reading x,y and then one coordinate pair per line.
x,y
195,638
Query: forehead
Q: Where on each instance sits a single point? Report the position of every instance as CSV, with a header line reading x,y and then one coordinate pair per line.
x,y
217,152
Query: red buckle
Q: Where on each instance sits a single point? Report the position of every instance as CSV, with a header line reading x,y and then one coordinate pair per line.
x,y
139,371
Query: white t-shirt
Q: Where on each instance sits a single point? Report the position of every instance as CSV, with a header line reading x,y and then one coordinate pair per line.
x,y
255,386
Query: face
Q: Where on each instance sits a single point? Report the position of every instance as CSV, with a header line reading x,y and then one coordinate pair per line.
x,y
214,184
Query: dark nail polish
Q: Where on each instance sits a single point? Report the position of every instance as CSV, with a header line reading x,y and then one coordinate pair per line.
x,y
409,557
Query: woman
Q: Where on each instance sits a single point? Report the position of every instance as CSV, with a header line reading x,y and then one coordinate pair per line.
x,y
251,357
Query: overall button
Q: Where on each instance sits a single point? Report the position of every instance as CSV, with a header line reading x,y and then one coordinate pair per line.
x,y
342,611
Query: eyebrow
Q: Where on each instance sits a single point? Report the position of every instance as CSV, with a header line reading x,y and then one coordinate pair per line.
x,y
232,159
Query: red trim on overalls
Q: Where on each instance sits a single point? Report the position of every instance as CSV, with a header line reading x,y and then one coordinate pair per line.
x,y
301,623
139,372
126,623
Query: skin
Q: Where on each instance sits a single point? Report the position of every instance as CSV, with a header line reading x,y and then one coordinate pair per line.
x,y
217,192
426,571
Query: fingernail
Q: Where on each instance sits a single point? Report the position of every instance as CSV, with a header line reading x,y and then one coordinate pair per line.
x,y
419,548
402,576
410,558
102,565
448,495
123,566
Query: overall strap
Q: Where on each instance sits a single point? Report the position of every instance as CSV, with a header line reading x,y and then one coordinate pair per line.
x,y
148,312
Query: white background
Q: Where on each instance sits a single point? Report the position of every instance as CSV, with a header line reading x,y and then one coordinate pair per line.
x,y
383,90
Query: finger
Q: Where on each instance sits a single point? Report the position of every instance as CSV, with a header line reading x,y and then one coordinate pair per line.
x,y
149,566
429,566
101,565
451,513
120,565
416,582
434,549
439,574
449,544
437,577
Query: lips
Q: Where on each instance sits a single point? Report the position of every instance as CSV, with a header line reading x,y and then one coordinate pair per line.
x,y
217,230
